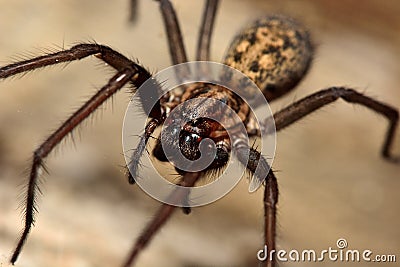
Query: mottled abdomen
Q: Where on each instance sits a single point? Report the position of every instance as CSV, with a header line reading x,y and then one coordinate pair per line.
x,y
275,52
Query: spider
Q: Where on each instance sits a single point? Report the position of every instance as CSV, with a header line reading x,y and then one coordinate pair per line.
x,y
129,71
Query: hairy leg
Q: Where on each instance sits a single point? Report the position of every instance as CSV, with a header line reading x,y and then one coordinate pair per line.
x,y
270,201
309,104
128,71
133,10
77,52
80,51
252,159
175,39
161,217
206,30
133,167
114,84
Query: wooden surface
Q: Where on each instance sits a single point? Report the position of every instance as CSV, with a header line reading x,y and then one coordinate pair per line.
x,y
333,183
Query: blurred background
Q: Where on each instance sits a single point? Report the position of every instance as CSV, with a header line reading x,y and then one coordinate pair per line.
x,y
333,183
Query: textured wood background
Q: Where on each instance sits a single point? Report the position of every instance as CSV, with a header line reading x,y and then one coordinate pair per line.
x,y
333,183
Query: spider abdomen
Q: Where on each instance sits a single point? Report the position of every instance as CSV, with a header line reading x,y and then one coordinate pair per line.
x,y
275,52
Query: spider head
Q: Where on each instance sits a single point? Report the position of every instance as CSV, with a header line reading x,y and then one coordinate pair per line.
x,y
197,138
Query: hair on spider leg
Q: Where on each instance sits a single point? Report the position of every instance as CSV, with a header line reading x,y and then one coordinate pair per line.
x,y
23,186
135,160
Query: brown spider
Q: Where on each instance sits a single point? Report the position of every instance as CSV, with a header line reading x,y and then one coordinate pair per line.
x,y
129,71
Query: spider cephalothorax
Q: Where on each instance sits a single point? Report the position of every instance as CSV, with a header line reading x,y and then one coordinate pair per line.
x,y
193,131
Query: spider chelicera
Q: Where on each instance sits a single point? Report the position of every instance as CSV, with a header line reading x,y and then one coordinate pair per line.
x,y
289,53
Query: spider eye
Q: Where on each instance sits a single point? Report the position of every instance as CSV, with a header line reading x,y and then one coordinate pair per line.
x,y
189,145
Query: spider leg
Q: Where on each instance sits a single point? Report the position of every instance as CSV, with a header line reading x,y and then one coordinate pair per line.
x,y
270,200
77,52
175,39
307,105
206,30
253,159
114,84
162,216
134,164
133,11
105,53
